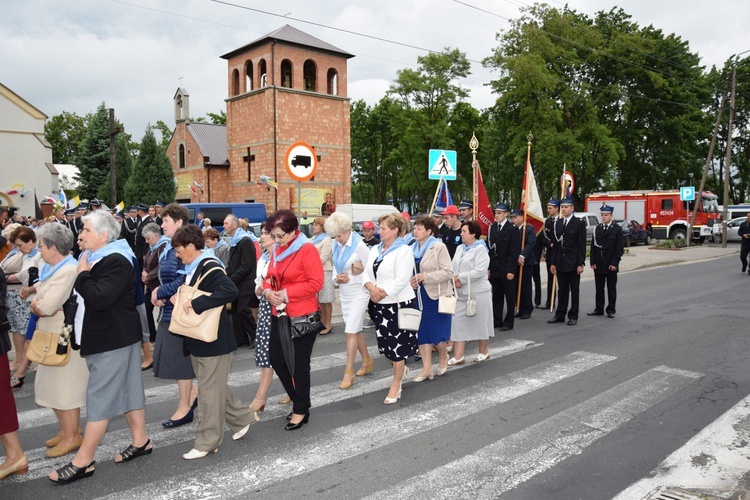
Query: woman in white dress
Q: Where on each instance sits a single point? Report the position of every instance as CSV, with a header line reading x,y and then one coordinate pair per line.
x,y
350,254
470,262
327,295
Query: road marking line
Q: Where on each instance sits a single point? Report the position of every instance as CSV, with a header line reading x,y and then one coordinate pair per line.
x,y
238,477
505,464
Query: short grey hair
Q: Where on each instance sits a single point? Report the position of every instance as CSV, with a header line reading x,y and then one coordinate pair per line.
x,y
56,235
338,223
151,229
233,219
103,222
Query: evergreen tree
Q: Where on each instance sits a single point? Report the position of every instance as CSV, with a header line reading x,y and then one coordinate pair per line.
x,y
151,178
124,166
93,155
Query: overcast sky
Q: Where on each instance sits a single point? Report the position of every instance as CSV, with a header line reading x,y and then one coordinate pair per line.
x,y
70,55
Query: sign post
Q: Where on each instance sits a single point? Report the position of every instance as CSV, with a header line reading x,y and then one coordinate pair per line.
x,y
442,165
687,194
301,163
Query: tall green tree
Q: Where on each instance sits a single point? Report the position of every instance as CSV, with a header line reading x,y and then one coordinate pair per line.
x,y
65,133
93,155
151,178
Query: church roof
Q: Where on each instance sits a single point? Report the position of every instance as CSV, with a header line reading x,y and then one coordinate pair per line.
x,y
212,141
293,36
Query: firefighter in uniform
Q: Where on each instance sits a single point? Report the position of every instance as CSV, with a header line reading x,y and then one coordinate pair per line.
x,y
568,260
607,248
504,242
545,240
526,261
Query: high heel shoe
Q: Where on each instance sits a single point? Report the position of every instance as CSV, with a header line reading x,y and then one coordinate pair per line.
x,y
421,378
368,365
172,423
259,406
390,401
441,370
293,427
20,467
16,382
348,379
193,454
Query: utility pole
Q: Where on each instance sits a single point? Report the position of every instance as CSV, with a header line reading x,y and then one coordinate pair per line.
x,y
112,166
728,162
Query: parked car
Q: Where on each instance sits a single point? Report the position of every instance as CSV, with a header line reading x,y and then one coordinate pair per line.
x,y
591,220
732,227
634,232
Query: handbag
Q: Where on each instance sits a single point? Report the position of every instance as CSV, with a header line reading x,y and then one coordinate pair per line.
x,y
471,304
50,348
203,326
306,325
447,303
408,317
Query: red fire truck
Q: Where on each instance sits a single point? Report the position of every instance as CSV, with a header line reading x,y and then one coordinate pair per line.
x,y
661,211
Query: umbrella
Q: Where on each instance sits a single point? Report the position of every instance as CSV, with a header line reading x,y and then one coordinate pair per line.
x,y
285,337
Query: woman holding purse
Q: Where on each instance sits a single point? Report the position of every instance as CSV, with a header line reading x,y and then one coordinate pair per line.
x,y
434,274
349,256
387,276
217,404
470,264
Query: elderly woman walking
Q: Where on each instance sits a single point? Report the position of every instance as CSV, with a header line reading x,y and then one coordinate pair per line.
x,y
62,388
109,335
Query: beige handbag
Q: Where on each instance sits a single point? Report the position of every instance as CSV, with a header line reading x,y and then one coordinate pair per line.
x,y
447,303
50,348
471,304
204,326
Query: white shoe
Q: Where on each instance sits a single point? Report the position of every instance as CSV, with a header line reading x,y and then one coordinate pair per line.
x,y
454,361
390,401
193,454
482,357
241,433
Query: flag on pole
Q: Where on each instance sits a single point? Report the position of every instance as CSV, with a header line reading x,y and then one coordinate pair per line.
x,y
530,202
120,206
198,185
264,179
195,193
37,208
485,215
63,198
74,202
15,188
50,199
444,198
567,184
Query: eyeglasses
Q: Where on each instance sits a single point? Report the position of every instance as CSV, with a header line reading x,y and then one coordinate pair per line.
x,y
277,236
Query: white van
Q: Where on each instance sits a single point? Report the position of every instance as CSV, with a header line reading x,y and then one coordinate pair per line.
x,y
591,219
360,212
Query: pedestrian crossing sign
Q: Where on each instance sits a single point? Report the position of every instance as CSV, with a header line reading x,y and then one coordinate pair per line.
x,y
442,164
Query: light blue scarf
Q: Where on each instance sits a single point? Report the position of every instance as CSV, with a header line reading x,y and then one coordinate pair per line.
x,y
341,253
220,243
159,243
238,235
396,244
190,268
47,270
317,239
419,251
295,245
167,248
32,253
117,246
11,253
478,243
408,238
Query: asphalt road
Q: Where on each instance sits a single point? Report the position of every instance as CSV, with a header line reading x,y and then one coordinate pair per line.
x,y
558,412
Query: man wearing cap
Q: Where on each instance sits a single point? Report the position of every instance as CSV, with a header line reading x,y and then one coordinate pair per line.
x,y
159,206
466,210
141,247
451,237
130,227
368,231
526,263
95,204
504,242
607,248
547,240
437,217
568,260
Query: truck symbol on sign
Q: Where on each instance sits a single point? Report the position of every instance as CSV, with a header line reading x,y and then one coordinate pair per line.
x,y
302,160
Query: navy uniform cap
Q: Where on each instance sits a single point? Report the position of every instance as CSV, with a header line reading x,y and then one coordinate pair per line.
x,y
160,203
437,212
567,201
516,212
132,208
70,211
465,204
554,202
82,206
95,203
143,206
607,209
502,206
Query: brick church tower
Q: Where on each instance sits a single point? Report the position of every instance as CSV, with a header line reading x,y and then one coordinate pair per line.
x,y
285,87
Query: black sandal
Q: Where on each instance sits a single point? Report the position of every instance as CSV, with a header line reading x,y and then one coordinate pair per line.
x,y
16,382
71,473
131,452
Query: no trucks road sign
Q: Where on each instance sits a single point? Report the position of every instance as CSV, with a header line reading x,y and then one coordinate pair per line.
x,y
301,161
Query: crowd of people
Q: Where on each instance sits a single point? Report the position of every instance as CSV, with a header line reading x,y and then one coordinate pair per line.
x,y
116,280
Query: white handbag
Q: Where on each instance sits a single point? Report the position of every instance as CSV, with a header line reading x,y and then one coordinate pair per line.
x,y
471,304
408,317
447,303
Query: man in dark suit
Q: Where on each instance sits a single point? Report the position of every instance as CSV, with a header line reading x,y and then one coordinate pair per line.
x,y
130,227
241,270
607,248
545,240
568,260
141,247
504,242
526,263
744,233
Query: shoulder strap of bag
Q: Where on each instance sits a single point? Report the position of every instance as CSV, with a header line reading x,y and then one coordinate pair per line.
x,y
469,284
419,295
453,286
200,280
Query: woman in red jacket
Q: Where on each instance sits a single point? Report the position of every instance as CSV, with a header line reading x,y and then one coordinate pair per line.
x,y
295,276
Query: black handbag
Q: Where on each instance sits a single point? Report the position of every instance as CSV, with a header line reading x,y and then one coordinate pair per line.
x,y
306,325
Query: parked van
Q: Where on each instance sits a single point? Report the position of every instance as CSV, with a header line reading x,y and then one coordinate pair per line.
x,y
591,219
360,212
217,212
